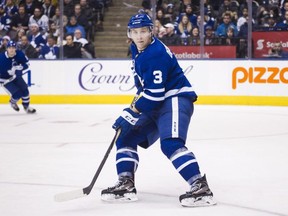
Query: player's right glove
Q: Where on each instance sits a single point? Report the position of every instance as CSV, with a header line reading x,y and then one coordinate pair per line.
x,y
126,121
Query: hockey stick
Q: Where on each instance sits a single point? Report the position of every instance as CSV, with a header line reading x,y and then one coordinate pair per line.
x,y
5,81
85,191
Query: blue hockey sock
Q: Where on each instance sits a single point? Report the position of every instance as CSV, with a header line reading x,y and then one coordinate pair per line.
x,y
126,161
182,159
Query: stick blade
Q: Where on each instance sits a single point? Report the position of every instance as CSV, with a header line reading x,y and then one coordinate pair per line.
x,y
70,195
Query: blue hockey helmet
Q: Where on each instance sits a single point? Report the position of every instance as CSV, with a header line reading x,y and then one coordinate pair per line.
x,y
140,20
11,44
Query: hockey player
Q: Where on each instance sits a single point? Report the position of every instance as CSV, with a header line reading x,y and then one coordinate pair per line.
x,y
13,62
163,110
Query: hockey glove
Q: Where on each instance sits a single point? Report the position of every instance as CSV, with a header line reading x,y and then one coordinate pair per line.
x,y
126,121
14,69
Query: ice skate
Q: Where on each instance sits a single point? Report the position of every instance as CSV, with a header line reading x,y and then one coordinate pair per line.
x,y
14,106
29,110
124,190
199,195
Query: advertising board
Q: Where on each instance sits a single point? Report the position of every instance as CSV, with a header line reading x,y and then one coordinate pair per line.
x,y
111,81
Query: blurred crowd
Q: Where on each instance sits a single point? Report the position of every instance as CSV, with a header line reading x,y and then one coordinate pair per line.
x,y
38,25
177,22
41,27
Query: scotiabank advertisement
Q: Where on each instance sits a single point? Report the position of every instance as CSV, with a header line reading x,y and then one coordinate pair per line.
x,y
263,42
193,52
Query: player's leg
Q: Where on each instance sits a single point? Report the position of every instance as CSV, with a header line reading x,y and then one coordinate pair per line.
x,y
127,160
15,94
173,126
25,95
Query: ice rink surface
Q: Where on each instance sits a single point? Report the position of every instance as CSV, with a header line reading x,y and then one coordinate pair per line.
x,y
242,149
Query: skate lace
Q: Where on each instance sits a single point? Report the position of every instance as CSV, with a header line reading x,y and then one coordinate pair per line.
x,y
195,187
117,184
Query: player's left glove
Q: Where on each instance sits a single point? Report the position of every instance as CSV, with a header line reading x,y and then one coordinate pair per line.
x,y
14,69
126,121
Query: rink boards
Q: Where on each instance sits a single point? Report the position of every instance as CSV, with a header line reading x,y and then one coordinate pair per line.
x,y
96,81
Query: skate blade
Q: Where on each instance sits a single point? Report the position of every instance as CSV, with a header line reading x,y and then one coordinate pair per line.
x,y
199,202
128,197
31,111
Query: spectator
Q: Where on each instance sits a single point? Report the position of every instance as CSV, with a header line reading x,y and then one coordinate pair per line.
x,y
234,17
284,9
50,50
224,7
269,23
230,39
209,9
54,31
73,25
275,12
57,18
19,21
27,48
5,21
35,38
235,6
162,32
87,47
272,21
4,42
283,25
72,49
87,11
99,7
41,19
81,18
160,16
170,13
29,7
243,32
10,8
146,4
184,27
209,38
171,38
146,7
221,30
277,51
68,8
175,4
157,27
261,15
48,9
183,5
242,19
2,2
195,36
216,4
190,14
19,34
210,21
